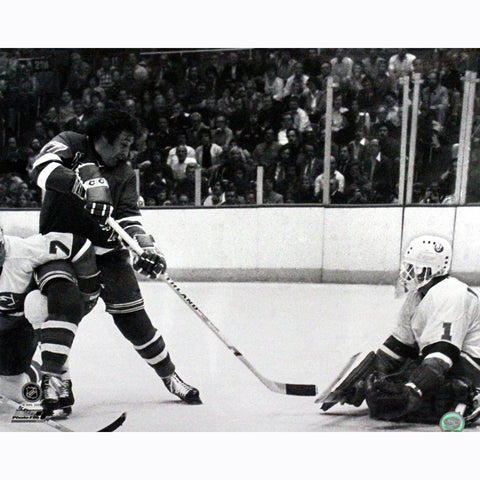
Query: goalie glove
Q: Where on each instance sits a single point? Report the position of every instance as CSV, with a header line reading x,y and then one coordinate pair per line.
x,y
94,189
151,262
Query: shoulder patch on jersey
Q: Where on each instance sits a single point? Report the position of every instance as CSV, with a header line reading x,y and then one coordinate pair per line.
x,y
53,147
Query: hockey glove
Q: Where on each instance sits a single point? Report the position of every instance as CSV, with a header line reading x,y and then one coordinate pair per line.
x,y
96,192
388,398
151,262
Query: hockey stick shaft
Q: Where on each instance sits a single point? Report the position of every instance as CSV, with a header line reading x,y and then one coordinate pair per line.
x,y
278,387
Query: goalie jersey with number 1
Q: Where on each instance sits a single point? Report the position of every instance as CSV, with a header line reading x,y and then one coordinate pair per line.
x,y
445,321
431,361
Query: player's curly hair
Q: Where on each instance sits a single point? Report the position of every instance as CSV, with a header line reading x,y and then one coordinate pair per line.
x,y
110,123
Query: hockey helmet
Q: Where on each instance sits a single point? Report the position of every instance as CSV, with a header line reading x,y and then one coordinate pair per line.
x,y
426,257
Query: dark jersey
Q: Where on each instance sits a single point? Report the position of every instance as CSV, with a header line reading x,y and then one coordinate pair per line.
x,y
62,211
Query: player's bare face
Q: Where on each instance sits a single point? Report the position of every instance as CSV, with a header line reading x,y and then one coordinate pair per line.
x,y
112,153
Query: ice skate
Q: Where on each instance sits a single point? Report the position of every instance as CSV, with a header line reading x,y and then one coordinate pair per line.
x,y
51,386
472,414
65,397
182,390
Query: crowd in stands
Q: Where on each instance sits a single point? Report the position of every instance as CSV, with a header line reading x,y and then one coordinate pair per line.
x,y
227,112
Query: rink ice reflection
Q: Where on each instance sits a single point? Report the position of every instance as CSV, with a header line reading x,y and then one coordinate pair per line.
x,y
295,333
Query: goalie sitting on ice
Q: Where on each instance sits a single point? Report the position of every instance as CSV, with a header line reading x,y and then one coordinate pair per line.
x,y
430,365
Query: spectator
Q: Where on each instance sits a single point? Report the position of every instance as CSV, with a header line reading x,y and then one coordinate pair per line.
x,y
273,84
432,194
358,145
303,192
252,134
334,173
14,159
179,121
336,195
383,82
207,153
313,166
340,125
66,112
341,67
435,98
230,195
270,196
301,122
401,63
297,76
173,157
180,166
286,124
222,135
104,74
186,186
195,130
78,122
383,173
164,135
233,71
217,197
266,152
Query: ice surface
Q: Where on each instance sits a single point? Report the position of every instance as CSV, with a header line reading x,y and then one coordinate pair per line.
x,y
295,333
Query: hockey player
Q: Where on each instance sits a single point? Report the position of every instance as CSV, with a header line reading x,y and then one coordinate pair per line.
x,y
87,179
66,257
431,363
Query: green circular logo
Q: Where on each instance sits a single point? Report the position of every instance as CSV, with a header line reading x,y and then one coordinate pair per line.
x,y
452,422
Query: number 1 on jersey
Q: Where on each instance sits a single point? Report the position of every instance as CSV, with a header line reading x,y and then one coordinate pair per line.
x,y
447,328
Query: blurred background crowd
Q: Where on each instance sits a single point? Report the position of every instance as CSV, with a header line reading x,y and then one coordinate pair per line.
x,y
226,112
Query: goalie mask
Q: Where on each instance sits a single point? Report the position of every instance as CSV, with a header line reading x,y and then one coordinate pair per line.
x,y
2,247
426,257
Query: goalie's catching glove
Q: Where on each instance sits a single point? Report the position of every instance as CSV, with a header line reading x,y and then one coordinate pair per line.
x,y
94,189
151,262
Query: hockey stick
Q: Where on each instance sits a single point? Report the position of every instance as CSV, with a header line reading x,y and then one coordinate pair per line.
x,y
111,427
277,387
323,396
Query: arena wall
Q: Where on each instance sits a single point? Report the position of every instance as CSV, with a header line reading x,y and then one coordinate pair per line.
x,y
291,243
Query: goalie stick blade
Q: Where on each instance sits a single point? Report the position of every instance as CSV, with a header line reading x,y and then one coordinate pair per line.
x,y
322,397
345,381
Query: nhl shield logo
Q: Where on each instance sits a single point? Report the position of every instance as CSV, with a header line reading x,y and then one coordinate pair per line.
x,y
31,392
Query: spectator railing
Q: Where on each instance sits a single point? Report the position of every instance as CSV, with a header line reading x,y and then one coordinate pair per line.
x,y
417,80
405,82
465,137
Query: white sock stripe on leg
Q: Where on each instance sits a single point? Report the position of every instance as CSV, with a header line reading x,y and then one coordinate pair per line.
x,y
158,358
59,324
154,339
55,348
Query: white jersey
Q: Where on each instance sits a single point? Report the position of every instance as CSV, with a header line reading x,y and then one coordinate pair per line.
x,y
449,312
22,256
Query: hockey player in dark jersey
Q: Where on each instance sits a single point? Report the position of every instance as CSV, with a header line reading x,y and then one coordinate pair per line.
x,y
86,180
63,257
